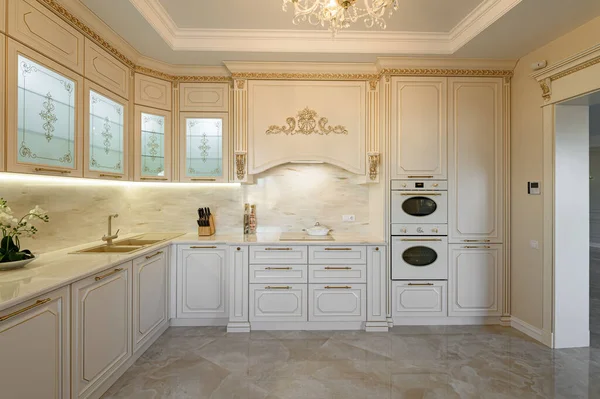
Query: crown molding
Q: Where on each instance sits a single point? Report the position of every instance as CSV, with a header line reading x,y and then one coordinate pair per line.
x,y
237,67
319,41
570,65
388,63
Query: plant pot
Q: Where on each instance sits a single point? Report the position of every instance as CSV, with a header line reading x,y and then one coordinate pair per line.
x,y
4,266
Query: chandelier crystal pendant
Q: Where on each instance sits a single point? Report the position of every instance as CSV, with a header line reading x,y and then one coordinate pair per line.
x,y
339,14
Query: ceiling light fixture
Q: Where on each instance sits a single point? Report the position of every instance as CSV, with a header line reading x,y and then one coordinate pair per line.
x,y
339,14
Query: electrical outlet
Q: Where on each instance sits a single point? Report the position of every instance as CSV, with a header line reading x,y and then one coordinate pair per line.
x,y
534,244
348,218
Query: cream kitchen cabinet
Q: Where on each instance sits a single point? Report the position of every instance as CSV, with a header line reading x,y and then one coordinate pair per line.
x,y
238,292
150,295
337,302
152,145
2,98
34,348
419,128
278,302
419,298
104,69
475,280
377,292
476,160
153,92
204,97
101,328
202,283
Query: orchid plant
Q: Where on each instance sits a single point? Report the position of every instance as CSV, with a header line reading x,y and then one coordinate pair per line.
x,y
12,228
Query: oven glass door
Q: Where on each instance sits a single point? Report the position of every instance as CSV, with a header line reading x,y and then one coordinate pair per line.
x,y
420,208
419,258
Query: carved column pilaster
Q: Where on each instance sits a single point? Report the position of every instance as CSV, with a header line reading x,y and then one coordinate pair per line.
x,y
506,305
240,128
175,132
373,152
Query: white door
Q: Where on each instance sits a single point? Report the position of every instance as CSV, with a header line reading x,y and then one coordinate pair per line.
x,y
101,328
419,107
34,348
150,289
419,298
278,302
202,282
337,302
476,159
475,281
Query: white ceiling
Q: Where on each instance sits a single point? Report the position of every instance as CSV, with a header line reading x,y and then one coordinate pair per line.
x,y
208,32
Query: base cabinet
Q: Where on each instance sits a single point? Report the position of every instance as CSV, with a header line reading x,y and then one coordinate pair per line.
x,y
337,302
475,281
202,283
278,302
34,348
419,298
150,290
101,328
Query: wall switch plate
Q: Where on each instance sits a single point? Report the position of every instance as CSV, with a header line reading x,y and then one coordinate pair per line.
x,y
534,244
348,218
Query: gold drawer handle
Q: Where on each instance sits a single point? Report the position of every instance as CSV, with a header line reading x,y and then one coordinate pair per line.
x,y
338,249
337,268
278,268
477,240
154,178
287,287
109,274
420,239
475,247
278,249
421,193
37,303
204,247
345,287
420,284
420,177
111,176
47,170
152,256
204,179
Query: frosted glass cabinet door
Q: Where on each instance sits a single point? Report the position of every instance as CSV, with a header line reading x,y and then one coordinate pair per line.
x,y
43,115
152,144
106,134
204,147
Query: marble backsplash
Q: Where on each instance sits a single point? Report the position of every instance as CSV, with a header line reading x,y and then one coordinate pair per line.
x,y
288,198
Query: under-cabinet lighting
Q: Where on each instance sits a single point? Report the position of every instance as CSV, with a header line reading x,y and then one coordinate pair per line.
x,y
78,181
315,162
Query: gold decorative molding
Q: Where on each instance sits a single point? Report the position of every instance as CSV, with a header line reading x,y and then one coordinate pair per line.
x,y
446,72
240,165
307,124
576,68
546,86
240,84
303,76
373,84
373,165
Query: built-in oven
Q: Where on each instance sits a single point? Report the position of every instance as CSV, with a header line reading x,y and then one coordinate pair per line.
x,y
419,258
420,203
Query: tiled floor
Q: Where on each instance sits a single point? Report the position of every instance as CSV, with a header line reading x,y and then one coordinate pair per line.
x,y
407,362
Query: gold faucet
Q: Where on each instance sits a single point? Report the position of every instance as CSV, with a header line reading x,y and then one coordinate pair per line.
x,y
110,237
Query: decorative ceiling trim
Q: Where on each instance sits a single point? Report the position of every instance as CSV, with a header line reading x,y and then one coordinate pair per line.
x,y
447,72
302,76
319,41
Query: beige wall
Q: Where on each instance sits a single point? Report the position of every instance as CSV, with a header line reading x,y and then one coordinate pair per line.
x,y
527,165
288,197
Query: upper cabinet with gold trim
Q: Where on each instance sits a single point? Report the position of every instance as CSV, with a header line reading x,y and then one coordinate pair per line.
x,y
104,69
2,15
152,92
36,26
152,143
2,102
44,129
204,97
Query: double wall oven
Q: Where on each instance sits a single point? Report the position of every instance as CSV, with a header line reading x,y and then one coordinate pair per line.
x,y
419,230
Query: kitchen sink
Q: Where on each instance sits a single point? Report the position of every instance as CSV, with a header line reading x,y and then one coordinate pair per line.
x,y
132,244
102,249
136,242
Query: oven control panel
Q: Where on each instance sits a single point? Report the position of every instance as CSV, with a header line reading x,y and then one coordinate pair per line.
x,y
420,185
419,230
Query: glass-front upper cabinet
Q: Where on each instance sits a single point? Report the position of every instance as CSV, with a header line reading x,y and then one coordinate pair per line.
x,y
204,147
152,144
106,134
44,115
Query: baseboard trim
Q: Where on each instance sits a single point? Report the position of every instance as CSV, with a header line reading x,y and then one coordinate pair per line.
x,y
307,325
446,321
238,327
538,334
199,322
376,326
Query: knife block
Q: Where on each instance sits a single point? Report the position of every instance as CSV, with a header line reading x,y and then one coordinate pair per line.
x,y
208,230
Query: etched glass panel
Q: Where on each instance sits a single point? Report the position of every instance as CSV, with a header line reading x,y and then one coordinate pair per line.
x,y
46,116
204,139
106,134
153,145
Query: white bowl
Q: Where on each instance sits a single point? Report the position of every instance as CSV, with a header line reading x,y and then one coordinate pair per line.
x,y
4,266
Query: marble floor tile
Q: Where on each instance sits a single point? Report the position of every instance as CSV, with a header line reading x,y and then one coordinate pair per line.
x,y
408,362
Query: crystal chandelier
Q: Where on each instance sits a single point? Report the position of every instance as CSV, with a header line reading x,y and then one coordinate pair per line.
x,y
338,14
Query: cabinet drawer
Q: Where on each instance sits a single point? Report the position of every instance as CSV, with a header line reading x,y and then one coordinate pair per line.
x,y
337,302
278,255
337,254
337,274
278,274
420,298
278,302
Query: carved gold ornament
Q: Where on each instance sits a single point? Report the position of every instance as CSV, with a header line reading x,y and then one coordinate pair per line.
x,y
307,122
546,86
373,166
240,166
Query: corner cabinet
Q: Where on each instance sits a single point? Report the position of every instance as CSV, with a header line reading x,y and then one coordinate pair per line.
x,y
419,128
106,134
34,343
44,120
101,328
204,147
153,144
202,283
476,160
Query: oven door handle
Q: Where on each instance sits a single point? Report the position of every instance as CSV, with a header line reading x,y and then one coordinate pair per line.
x,y
420,239
421,194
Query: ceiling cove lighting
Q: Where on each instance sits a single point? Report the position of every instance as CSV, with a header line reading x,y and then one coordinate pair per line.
x,y
339,14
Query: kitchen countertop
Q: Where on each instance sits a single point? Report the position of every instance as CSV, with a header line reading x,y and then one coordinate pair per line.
x,y
56,269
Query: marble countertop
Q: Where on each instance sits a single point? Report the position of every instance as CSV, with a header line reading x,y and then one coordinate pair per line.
x,y
59,268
